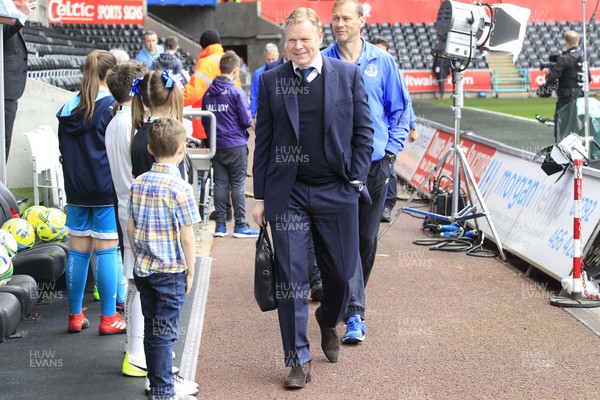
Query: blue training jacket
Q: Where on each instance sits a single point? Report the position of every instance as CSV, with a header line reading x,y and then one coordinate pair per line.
x,y
254,90
85,165
386,101
412,119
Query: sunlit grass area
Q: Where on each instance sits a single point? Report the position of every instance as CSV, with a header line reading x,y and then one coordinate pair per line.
x,y
21,193
526,108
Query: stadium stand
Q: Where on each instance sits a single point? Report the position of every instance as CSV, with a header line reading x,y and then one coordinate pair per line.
x,y
545,38
411,43
57,53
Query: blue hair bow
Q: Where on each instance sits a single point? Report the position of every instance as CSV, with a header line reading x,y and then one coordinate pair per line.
x,y
135,88
170,78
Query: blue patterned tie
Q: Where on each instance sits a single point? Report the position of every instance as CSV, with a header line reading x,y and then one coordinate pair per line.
x,y
305,72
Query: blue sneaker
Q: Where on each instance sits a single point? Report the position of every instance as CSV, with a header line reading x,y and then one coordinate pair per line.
x,y
220,230
245,232
356,331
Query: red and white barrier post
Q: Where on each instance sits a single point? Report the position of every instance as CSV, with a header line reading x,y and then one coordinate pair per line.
x,y
577,300
577,190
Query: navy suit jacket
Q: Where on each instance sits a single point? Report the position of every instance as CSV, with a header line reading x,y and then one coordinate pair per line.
x,y
15,61
348,131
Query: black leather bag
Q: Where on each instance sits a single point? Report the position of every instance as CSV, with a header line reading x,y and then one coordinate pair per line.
x,y
264,273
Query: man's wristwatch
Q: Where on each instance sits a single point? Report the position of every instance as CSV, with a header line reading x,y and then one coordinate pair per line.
x,y
389,157
359,185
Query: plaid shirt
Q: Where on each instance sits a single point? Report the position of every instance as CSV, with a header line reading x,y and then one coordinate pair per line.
x,y
161,202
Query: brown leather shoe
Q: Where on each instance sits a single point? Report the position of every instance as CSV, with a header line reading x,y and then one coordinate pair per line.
x,y
299,376
330,340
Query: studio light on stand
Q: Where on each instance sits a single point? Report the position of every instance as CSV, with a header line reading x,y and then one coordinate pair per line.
x,y
461,30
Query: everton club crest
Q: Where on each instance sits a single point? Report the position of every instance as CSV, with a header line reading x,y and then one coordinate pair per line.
x,y
371,70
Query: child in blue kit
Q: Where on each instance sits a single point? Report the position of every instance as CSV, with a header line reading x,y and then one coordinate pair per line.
x,y
91,218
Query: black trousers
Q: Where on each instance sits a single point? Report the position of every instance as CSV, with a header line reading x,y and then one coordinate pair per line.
x,y
369,216
10,113
392,192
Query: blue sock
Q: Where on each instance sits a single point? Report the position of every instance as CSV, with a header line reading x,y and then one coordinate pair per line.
x,y
106,278
76,276
122,281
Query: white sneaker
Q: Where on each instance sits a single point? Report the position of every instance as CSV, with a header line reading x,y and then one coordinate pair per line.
x,y
182,386
185,383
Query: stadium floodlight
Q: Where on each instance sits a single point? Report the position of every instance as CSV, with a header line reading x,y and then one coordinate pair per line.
x,y
462,28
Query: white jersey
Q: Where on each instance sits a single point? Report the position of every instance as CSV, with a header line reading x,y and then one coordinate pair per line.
x,y
117,140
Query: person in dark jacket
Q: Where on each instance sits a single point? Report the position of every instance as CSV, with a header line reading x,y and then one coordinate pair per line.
x,y
91,218
15,68
170,60
230,163
566,76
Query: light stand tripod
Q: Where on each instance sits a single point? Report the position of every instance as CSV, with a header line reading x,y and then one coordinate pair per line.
x,y
459,163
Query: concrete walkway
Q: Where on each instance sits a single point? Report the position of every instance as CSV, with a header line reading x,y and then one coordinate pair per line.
x,y
440,326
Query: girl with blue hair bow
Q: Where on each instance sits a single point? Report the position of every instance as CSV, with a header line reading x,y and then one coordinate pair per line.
x,y
158,94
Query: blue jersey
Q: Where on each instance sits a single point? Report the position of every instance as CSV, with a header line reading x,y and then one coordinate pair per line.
x,y
386,99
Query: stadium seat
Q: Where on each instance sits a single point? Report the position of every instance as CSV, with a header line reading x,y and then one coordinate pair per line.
x,y
10,315
44,262
24,288
45,160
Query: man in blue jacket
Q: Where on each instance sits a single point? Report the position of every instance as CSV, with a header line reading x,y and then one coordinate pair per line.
x,y
151,50
271,55
390,200
382,83
230,163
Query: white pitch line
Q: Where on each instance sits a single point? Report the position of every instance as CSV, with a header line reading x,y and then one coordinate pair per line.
x,y
502,114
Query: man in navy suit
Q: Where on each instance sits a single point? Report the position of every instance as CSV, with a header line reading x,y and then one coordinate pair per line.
x,y
15,67
313,149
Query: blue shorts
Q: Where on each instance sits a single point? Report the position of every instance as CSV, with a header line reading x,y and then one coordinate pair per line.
x,y
97,222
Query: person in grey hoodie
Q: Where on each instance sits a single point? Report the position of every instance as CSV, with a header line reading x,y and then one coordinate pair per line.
x,y
229,103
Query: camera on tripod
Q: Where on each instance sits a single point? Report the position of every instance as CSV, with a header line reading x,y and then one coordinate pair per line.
x,y
552,59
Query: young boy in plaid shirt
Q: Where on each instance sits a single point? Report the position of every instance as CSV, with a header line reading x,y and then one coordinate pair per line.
x,y
162,212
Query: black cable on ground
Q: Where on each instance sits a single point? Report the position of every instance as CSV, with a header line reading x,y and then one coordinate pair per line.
x,y
479,251
455,245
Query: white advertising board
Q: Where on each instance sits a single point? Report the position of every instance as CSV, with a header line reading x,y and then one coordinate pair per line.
x,y
409,158
532,213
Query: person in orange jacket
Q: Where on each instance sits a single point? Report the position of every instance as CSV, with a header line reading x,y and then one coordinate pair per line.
x,y
206,69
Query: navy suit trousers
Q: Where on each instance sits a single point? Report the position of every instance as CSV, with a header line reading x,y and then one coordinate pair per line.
x,y
330,212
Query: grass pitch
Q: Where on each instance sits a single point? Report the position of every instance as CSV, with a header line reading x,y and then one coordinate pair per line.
x,y
526,108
